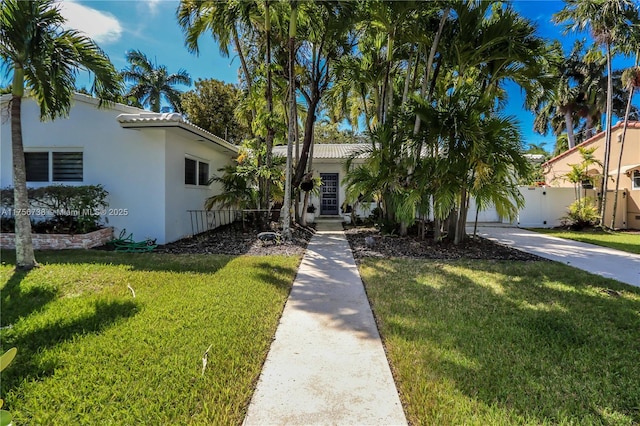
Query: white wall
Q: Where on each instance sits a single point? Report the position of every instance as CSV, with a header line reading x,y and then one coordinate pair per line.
x,y
544,206
329,166
128,163
181,197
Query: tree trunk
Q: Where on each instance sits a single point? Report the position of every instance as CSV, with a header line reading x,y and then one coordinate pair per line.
x,y
308,138
269,98
25,258
407,80
607,139
568,120
286,227
387,88
432,55
622,137
460,231
243,63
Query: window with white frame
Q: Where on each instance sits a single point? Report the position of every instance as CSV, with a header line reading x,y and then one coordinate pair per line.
x,y
54,166
635,179
196,172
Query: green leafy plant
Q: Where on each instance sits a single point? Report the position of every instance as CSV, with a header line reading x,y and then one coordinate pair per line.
x,y
5,360
582,213
67,209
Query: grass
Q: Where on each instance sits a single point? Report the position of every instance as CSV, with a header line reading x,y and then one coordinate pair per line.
x,y
502,343
625,241
91,353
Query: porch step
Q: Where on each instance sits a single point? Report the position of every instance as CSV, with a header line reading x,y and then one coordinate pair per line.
x,y
331,218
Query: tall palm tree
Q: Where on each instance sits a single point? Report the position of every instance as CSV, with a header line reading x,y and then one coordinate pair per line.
x,y
293,30
45,59
150,83
610,22
631,80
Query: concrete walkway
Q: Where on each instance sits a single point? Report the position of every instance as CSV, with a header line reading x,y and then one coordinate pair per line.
x,y
603,261
326,364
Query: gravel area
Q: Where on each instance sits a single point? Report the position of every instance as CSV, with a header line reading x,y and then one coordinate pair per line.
x,y
234,240
369,242
365,242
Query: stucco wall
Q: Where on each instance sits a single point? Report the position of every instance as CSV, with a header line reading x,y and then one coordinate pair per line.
x,y
181,197
128,163
329,166
557,168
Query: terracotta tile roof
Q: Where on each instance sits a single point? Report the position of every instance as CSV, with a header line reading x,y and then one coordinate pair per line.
x,y
619,125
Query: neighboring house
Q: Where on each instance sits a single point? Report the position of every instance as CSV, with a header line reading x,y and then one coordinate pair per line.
x,y
154,166
629,185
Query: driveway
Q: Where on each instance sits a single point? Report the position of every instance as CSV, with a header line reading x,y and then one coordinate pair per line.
x,y
603,261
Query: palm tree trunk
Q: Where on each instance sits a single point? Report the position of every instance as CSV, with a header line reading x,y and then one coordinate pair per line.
x,y
568,120
25,258
407,80
607,140
432,55
622,137
243,63
387,88
286,230
269,97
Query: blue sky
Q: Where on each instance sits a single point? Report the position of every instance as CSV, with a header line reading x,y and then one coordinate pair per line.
x,y
151,27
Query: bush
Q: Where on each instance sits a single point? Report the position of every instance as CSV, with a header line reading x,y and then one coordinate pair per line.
x,y
582,213
61,208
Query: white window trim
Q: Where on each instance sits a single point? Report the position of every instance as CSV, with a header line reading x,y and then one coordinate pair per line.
x,y
51,150
198,160
633,182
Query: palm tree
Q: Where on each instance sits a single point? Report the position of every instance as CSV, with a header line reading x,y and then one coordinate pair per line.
x,y
576,78
150,83
610,22
631,80
45,58
293,29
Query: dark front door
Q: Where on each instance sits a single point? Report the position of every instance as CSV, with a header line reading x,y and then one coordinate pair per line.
x,y
329,194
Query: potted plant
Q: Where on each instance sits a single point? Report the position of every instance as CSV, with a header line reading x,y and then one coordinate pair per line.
x,y
311,213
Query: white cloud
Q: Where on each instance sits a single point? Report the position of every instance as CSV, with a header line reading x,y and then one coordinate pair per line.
x,y
153,6
102,27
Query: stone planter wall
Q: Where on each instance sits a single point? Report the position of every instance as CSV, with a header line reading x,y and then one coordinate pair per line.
x,y
62,241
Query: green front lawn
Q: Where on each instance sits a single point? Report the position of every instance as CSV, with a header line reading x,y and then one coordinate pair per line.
x,y
502,343
91,353
625,241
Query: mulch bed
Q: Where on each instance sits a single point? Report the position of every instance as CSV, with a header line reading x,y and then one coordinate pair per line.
x,y
369,242
235,240
365,242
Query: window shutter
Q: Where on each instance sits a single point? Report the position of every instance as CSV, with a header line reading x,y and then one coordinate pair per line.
x,y
203,173
37,165
67,167
190,173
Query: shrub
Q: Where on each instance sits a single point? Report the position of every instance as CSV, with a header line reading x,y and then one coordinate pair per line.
x,y
62,208
582,213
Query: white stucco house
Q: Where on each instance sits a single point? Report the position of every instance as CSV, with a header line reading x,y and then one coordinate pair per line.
x,y
155,166
544,207
329,163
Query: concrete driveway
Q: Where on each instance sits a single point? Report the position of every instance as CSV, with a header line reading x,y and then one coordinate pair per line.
x,y
603,261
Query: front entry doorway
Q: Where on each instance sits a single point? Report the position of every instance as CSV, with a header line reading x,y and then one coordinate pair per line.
x,y
329,194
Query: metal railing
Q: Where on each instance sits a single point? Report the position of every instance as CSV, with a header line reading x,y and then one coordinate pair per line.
x,y
207,220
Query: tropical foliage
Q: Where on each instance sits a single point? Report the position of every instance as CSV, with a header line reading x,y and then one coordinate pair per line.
x,y
150,84
44,59
424,83
212,106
